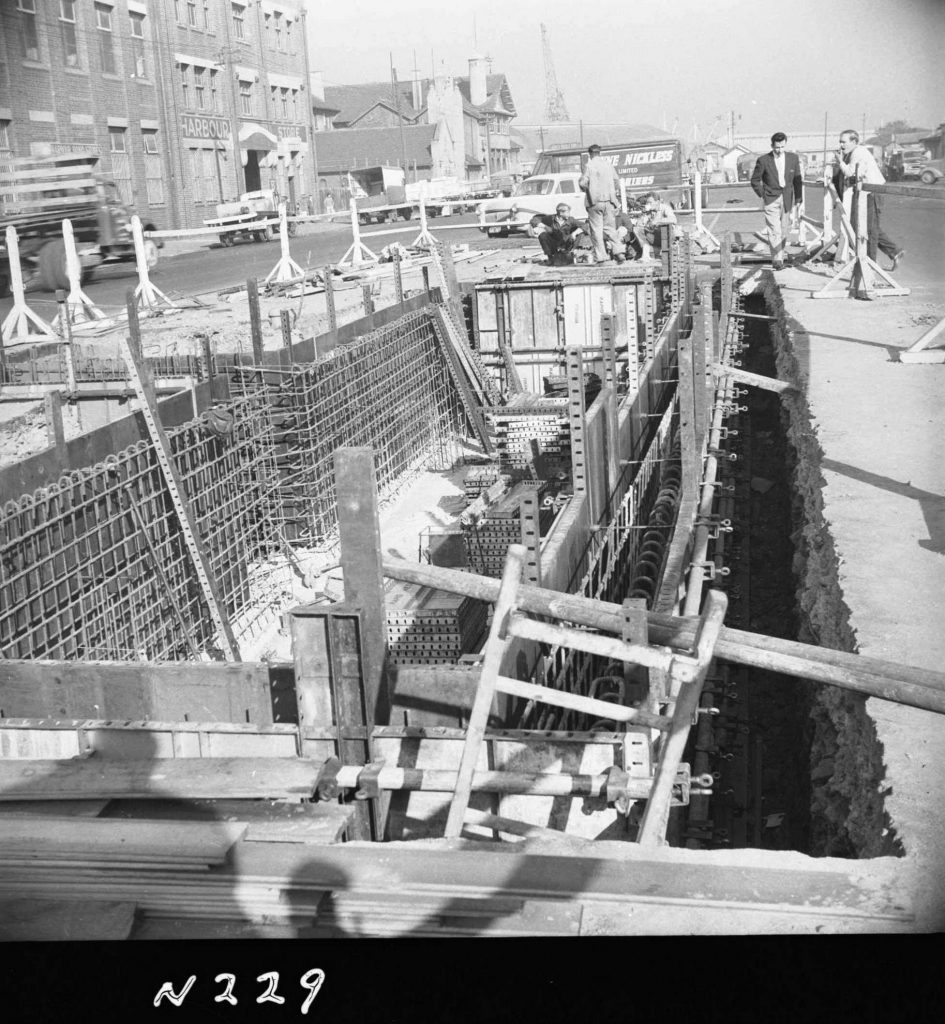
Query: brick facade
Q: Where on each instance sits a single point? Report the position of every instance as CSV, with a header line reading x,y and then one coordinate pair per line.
x,y
188,102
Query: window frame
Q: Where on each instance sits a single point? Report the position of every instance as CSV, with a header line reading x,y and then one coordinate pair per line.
x,y
29,28
199,87
69,33
117,133
106,35
239,21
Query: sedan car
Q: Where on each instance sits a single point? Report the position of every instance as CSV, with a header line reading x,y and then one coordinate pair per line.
x,y
539,194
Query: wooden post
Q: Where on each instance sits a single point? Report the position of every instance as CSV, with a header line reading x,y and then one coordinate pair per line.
x,y
367,300
55,434
687,419
255,321
725,285
330,300
359,529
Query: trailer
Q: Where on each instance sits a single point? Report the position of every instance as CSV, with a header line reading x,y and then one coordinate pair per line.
x,y
38,193
249,218
381,195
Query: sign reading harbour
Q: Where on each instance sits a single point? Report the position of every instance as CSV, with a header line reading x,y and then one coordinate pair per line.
x,y
193,127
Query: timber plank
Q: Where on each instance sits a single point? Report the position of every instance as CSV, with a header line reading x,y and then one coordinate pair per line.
x,y
48,920
208,777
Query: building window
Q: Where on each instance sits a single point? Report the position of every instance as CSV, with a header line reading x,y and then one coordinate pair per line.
x,y
192,13
179,11
27,9
206,15
120,164
116,140
277,20
267,22
106,38
295,105
198,88
214,91
185,85
238,13
67,24
153,169
137,44
285,104
289,38
5,147
212,185
246,98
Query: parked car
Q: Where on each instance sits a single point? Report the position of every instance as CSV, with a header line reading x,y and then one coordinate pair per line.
x,y
539,194
932,171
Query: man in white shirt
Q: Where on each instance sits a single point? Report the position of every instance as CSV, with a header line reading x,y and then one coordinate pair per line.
x,y
600,186
857,163
778,182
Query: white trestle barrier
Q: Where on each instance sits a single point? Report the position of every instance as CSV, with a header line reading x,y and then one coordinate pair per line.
x,y
702,234
79,307
286,269
424,238
21,319
358,254
147,294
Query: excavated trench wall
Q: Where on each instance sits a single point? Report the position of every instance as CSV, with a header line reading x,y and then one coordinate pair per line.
x,y
848,818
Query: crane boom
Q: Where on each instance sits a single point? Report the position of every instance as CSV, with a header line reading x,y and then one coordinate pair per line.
x,y
555,109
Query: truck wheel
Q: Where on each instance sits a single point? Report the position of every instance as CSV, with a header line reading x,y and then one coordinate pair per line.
x,y
226,240
150,253
292,229
52,265
927,178
265,235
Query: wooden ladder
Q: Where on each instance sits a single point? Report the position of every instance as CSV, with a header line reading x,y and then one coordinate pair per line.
x,y
688,671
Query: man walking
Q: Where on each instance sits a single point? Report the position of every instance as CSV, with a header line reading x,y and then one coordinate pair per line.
x,y
600,186
857,163
777,181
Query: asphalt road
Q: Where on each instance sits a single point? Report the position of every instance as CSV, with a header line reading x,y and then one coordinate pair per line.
x,y
917,225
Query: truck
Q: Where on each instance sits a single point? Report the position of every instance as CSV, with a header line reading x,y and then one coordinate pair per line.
x,y
654,165
38,193
242,218
902,162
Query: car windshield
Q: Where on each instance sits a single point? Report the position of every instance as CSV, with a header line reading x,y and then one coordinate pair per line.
x,y
535,187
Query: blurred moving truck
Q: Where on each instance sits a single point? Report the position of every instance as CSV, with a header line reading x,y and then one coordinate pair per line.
x,y
38,193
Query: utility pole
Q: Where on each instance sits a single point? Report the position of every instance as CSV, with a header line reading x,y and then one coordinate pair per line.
x,y
400,120
731,129
311,111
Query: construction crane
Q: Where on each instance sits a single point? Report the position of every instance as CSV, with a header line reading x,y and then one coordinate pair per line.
x,y
555,109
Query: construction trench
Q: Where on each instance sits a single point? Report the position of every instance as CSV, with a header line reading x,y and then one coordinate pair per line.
x,y
550,680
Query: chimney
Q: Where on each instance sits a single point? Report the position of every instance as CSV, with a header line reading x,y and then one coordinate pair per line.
x,y
477,80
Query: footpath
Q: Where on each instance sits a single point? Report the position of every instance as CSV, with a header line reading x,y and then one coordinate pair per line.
x,y
880,424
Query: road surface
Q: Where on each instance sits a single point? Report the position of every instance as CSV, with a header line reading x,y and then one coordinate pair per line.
x,y
918,225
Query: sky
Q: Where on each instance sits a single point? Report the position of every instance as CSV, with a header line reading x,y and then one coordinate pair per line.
x,y
683,64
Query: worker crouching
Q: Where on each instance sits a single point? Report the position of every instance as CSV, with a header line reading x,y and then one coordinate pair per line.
x,y
556,234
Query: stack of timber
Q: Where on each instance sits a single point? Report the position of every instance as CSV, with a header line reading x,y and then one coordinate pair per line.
x,y
34,190
527,419
488,536
431,627
96,848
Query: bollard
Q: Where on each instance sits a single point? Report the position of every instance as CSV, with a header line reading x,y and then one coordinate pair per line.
x,y
424,238
79,307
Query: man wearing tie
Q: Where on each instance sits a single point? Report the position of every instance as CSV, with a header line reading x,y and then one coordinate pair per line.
x,y
777,181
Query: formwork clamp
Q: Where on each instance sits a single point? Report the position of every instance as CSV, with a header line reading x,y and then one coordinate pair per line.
x,y
715,525
326,785
617,781
710,570
369,781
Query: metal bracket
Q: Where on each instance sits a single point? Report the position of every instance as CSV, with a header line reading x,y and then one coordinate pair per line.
x,y
326,785
715,525
617,782
710,569
368,781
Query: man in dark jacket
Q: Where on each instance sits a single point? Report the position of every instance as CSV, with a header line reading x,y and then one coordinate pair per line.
x,y
556,234
777,181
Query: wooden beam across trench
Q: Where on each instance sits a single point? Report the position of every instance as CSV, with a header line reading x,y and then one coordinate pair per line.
x,y
875,677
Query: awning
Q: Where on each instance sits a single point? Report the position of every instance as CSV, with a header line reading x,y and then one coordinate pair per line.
x,y
257,141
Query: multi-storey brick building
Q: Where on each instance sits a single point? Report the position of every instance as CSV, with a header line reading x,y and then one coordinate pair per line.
x,y
187,102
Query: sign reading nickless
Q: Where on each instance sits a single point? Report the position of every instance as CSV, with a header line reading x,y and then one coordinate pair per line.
x,y
640,165
193,127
